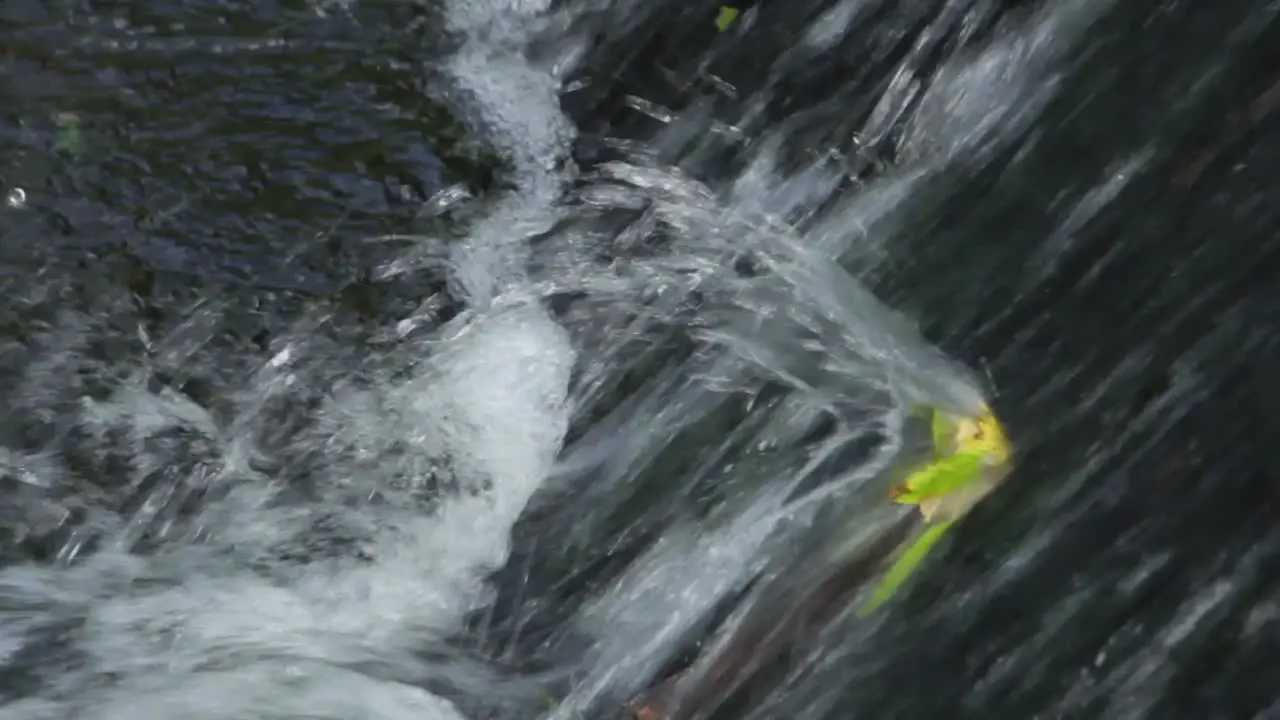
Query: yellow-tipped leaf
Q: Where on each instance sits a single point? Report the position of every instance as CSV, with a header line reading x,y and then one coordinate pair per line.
x,y
941,477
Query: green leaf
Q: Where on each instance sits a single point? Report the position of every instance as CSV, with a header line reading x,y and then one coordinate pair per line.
x,y
942,476
726,17
67,139
904,567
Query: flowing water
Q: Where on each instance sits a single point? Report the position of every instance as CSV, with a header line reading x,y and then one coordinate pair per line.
x,y
502,358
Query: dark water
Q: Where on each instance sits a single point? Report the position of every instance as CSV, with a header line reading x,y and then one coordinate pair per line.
x,y
1113,269
238,142
1109,262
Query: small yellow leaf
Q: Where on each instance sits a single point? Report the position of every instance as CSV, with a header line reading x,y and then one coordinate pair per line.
x,y
726,17
942,476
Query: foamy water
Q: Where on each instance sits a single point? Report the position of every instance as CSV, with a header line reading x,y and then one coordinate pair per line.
x,y
217,626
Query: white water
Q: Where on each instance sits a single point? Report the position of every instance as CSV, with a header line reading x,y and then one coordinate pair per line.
x,y
213,625
193,631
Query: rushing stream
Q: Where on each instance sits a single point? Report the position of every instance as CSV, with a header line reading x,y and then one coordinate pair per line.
x,y
543,358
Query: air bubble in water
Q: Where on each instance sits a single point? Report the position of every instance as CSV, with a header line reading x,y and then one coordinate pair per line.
x,y
16,198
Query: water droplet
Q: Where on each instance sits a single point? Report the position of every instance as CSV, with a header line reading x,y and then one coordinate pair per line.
x,y
16,198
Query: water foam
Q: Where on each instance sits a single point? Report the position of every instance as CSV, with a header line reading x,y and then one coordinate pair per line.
x,y
420,471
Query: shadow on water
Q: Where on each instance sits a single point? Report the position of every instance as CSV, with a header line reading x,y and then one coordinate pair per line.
x,y
1110,265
